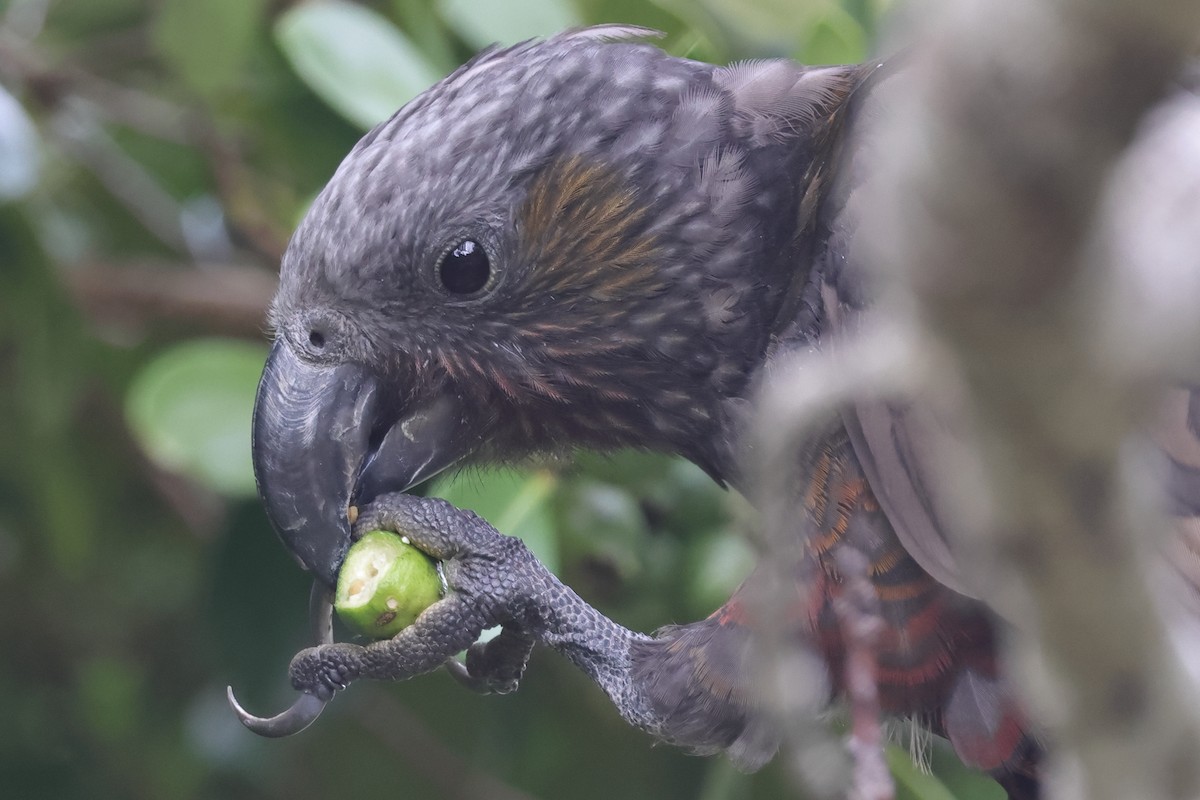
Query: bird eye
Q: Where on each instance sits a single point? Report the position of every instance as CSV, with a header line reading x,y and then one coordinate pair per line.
x,y
465,269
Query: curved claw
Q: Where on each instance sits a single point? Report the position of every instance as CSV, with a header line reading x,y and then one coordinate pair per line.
x,y
300,715
494,666
459,672
308,707
477,684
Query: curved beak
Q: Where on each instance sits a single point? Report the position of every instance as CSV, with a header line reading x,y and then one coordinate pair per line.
x,y
326,437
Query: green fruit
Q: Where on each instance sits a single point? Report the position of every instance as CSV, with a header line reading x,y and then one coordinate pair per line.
x,y
384,584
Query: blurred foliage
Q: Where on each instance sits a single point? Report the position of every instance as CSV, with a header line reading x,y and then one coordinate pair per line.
x,y
153,158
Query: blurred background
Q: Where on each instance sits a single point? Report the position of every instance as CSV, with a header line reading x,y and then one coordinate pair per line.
x,y
154,156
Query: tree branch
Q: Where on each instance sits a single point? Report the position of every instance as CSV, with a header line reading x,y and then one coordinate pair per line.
x,y
797,403
220,298
1000,145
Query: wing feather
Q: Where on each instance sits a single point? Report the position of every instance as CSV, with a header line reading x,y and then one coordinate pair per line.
x,y
898,441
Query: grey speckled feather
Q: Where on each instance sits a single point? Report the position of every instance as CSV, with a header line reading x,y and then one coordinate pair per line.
x,y
702,159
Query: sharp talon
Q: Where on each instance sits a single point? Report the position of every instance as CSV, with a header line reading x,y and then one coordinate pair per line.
x,y
462,675
302,713
307,707
459,672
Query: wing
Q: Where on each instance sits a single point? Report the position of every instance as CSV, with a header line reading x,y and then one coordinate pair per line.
x,y
898,441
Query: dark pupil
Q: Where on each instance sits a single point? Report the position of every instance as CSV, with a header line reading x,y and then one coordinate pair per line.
x,y
465,269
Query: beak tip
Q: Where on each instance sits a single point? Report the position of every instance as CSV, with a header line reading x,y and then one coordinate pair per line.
x,y
306,472
317,539
324,437
323,565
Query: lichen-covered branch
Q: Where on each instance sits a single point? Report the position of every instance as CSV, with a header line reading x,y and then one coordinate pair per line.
x,y
793,412
1010,125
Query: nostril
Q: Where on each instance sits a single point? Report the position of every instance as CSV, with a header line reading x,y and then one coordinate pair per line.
x,y
317,339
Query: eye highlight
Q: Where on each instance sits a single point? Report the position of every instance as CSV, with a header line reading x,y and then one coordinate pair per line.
x,y
465,269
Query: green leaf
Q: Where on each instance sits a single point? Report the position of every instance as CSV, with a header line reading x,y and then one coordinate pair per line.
x,y
426,29
690,502
764,27
19,157
605,520
960,779
207,43
516,502
835,38
627,468
353,58
190,409
485,22
719,564
913,783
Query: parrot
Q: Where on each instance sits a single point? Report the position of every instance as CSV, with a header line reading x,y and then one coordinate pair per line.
x,y
583,242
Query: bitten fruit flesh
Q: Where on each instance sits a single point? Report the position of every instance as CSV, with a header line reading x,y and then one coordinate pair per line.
x,y
384,584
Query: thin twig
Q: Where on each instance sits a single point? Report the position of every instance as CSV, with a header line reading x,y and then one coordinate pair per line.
x,y
220,298
857,609
79,101
21,61
78,132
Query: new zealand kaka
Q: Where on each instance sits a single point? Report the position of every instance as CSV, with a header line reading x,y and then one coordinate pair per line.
x,y
586,242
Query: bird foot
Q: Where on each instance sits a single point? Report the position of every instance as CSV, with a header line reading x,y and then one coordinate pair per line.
x,y
491,580
495,666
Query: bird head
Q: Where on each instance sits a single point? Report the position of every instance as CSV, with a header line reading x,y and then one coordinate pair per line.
x,y
578,242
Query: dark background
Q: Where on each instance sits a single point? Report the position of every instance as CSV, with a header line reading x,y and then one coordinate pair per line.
x,y
153,158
